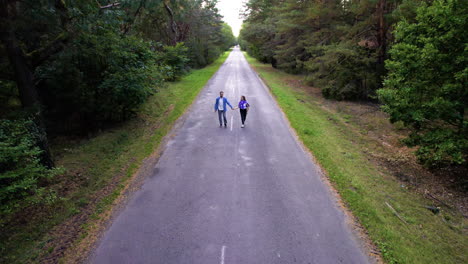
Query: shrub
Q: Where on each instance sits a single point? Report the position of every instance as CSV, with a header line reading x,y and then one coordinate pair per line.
x,y
22,176
426,85
104,77
439,147
202,54
174,60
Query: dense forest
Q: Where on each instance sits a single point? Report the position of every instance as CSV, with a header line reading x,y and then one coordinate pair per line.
x,y
76,67
410,56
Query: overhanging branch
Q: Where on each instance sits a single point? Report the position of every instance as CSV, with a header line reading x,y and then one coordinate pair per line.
x,y
40,55
107,6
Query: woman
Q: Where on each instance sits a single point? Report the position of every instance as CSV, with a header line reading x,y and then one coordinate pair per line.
x,y
243,108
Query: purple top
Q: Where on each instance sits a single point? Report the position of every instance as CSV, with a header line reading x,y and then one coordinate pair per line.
x,y
243,104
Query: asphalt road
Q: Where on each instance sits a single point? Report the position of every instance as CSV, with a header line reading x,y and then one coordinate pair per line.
x,y
232,195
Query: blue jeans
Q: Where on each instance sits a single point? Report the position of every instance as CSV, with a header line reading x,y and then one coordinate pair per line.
x,y
223,114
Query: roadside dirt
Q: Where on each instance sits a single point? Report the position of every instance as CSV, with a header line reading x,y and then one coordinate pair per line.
x,y
71,241
64,236
82,248
446,188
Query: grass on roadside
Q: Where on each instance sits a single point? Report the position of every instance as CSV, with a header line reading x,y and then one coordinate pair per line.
x,y
97,171
368,190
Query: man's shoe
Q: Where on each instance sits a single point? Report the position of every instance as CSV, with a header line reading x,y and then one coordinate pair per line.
x,y
242,125
225,124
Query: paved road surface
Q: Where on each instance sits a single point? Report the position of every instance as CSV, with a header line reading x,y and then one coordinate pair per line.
x,y
231,195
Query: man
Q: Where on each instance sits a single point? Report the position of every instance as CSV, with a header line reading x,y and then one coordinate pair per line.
x,y
220,106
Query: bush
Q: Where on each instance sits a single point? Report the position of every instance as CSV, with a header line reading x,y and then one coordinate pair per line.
x,y
121,93
104,77
426,85
22,176
174,60
202,54
439,147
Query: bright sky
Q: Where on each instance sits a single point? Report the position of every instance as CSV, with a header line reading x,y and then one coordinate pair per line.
x,y
230,10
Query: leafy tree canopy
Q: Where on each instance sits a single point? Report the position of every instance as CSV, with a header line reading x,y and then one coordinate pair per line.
x,y
426,85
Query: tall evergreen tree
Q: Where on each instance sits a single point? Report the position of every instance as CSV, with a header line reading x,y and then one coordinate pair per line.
x,y
340,45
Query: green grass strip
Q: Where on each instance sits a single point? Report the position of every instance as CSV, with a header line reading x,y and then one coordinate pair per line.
x,y
366,188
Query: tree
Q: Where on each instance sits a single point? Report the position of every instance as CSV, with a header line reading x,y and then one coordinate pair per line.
x,y
426,85
339,45
196,23
24,62
73,67
258,33
227,36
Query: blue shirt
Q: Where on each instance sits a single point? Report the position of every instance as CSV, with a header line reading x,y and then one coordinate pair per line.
x,y
225,102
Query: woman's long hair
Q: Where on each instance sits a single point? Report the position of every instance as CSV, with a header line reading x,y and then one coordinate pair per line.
x,y
243,98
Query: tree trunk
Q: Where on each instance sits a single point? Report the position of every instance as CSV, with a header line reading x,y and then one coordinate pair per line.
x,y
23,73
382,32
23,76
172,23
28,94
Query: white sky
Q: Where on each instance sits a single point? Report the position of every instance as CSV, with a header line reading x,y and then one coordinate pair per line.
x,y
230,10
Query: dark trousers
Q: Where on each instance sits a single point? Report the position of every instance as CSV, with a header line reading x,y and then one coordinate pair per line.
x,y
243,113
221,116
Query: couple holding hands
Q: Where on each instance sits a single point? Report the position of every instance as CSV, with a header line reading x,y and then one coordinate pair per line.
x,y
220,107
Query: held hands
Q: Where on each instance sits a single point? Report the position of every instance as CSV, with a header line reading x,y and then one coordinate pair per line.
x,y
232,108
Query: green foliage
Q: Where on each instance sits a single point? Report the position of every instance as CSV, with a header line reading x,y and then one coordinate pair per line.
x,y
22,175
339,45
439,146
256,39
95,65
258,32
174,59
227,37
344,71
426,85
342,46
104,77
197,23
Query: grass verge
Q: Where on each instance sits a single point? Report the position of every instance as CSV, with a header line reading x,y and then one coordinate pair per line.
x,y
395,217
97,170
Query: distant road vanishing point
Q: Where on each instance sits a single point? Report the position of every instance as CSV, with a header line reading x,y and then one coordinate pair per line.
x,y
232,195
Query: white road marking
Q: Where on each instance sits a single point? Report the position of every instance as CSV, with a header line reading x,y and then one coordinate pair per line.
x,y
223,249
231,122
